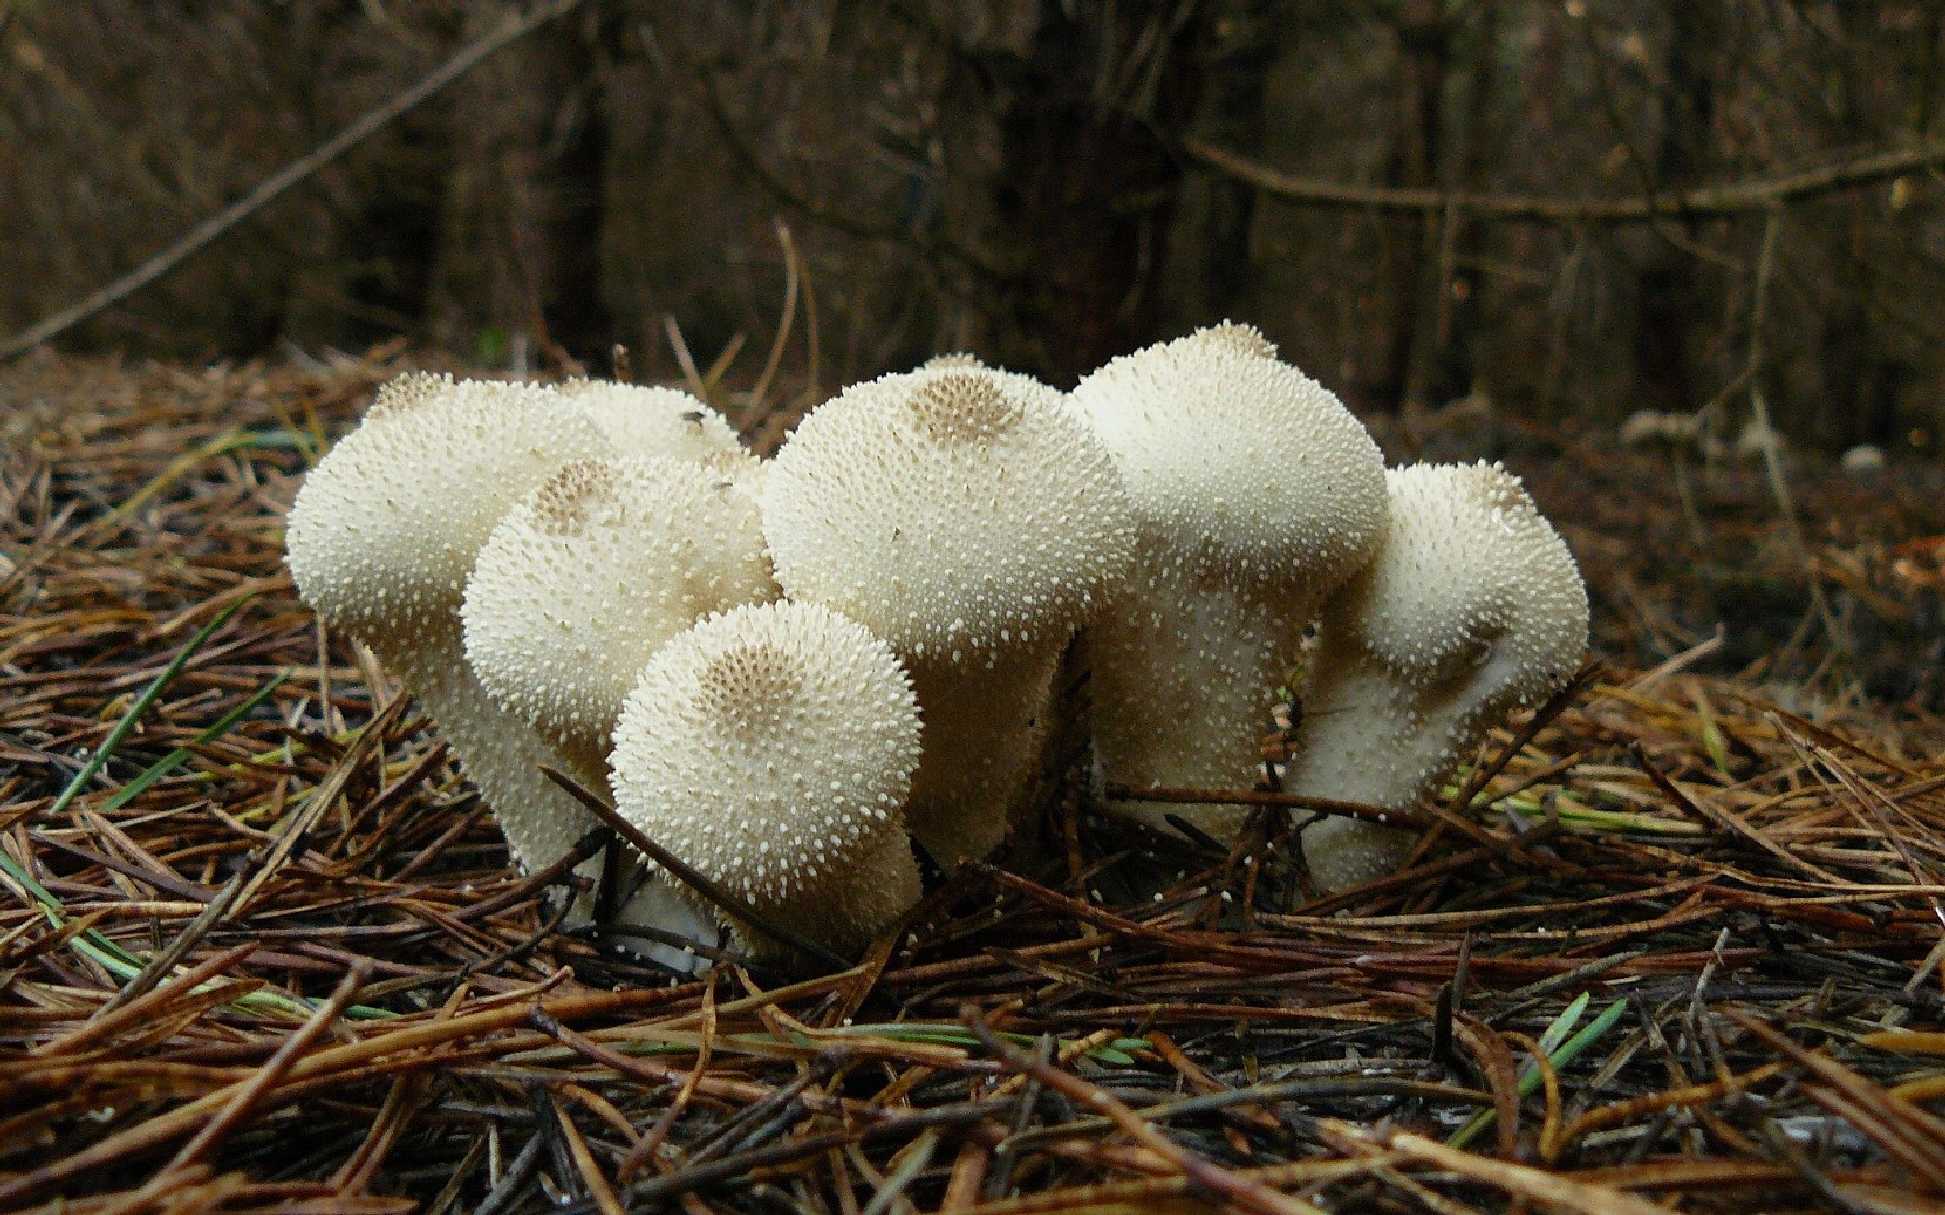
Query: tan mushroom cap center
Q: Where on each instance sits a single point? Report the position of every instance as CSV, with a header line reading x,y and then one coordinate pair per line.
x,y
748,688
564,504
964,410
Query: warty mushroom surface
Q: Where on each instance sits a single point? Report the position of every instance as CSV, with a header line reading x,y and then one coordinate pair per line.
x,y
962,515
1472,607
1255,494
771,748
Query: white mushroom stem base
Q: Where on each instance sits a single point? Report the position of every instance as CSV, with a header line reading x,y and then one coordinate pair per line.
x,y
502,755
499,753
847,921
1346,852
1184,681
1366,738
983,731
658,904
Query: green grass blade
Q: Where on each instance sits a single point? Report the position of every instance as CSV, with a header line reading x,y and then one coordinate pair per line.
x,y
93,944
1559,1049
168,763
1564,1023
141,706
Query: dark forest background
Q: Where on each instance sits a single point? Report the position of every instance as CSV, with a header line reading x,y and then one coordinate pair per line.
x,y
1580,208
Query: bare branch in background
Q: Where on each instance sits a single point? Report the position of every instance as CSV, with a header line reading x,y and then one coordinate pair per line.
x,y
1749,197
273,187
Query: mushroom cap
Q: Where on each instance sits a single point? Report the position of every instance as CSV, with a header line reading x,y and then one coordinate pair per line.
x,y
771,747
952,511
599,566
385,529
1470,572
1238,465
650,420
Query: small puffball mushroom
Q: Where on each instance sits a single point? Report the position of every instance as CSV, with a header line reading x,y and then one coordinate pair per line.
x,y
383,536
771,748
582,581
1864,460
1256,494
962,515
1472,606
647,420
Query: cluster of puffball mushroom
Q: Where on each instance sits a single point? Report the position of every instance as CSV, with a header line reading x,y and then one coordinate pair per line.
x,y
786,672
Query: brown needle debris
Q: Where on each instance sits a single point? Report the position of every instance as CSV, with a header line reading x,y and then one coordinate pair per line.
x,y
261,950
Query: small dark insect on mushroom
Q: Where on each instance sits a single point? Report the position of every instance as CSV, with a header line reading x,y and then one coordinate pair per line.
x,y
693,415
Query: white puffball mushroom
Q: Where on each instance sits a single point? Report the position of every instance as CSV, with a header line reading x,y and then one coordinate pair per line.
x,y
383,536
771,748
1864,460
651,420
1472,606
585,578
1256,494
962,515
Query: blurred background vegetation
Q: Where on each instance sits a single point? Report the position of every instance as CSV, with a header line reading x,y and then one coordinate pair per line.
x,y
1046,182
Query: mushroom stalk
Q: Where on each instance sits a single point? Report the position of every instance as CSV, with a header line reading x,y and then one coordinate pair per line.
x,y
964,798
1184,677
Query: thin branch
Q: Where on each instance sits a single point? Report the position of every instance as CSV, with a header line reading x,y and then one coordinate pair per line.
x,y
274,186
1753,195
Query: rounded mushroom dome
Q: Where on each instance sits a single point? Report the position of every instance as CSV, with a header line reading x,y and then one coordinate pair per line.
x,y
951,510
651,420
1469,567
599,566
771,747
1237,464
385,529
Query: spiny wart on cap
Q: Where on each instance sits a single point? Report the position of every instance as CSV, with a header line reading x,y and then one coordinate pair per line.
x,y
771,747
1473,606
1245,339
956,360
958,409
604,562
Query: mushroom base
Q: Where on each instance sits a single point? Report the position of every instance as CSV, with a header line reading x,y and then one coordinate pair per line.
x,y
983,732
1367,737
847,919
1184,679
1345,852
502,755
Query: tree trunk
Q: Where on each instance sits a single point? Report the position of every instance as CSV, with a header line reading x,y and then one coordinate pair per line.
x,y
1087,186
1672,311
1211,276
1424,56
519,231
1459,305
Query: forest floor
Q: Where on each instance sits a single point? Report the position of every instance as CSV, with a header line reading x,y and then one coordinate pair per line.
x,y
1674,943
